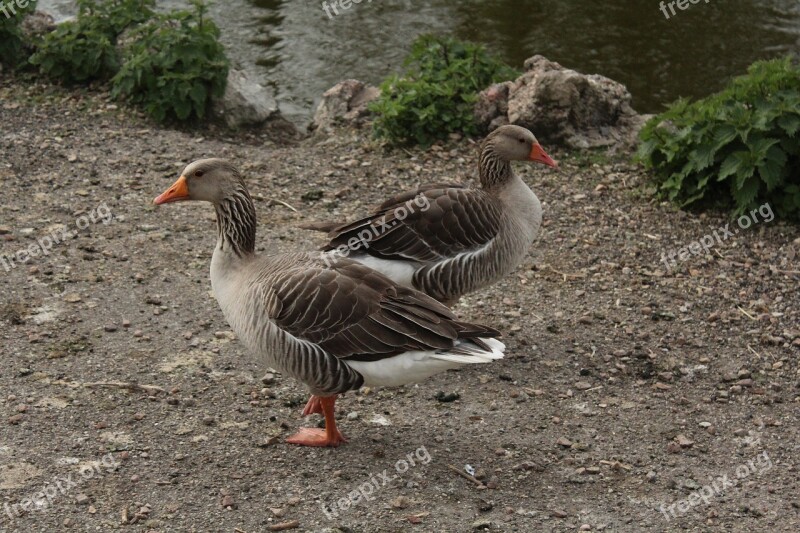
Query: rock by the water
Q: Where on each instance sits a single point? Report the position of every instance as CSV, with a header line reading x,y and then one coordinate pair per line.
x,y
344,104
562,106
37,25
245,104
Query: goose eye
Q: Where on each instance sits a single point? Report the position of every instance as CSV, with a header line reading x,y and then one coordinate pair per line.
x,y
199,173
521,140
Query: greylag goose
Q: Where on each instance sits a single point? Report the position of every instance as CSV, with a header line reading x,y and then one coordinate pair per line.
x,y
448,240
330,322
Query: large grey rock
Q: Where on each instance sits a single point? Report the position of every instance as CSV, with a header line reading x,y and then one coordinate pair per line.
x,y
37,25
562,106
344,104
245,104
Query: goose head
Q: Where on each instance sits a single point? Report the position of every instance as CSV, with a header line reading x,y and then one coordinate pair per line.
x,y
207,180
515,143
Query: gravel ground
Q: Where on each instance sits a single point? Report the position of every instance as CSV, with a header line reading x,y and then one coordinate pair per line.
x,y
626,387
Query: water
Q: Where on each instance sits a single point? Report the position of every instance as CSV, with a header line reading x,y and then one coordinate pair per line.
x,y
298,50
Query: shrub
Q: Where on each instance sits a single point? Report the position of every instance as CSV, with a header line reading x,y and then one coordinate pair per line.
x,y
11,38
173,66
436,94
84,49
739,147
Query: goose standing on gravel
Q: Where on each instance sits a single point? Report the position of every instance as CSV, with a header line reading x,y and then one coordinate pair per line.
x,y
448,240
330,322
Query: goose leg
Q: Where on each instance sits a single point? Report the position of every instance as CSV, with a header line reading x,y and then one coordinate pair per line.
x,y
313,406
328,437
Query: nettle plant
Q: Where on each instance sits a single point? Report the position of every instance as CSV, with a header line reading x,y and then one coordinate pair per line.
x,y
738,147
12,46
84,49
173,65
436,93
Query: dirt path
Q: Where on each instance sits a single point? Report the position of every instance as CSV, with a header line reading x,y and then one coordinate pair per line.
x,y
626,387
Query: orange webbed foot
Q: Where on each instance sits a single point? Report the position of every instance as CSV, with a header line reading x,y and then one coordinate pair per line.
x,y
317,437
328,437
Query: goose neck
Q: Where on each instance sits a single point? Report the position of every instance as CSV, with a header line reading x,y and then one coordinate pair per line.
x,y
236,223
493,169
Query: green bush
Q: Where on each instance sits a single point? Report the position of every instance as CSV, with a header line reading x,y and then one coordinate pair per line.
x,y
12,51
173,66
436,94
739,147
84,49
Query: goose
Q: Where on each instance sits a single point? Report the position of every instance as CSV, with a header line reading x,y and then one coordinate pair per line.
x,y
448,240
330,322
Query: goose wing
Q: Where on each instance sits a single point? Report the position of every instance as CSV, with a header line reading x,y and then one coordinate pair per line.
x,y
353,312
430,224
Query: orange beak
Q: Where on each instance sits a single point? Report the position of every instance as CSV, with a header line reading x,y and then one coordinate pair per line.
x,y
177,193
539,155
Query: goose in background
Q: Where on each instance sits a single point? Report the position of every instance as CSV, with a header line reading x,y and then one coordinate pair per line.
x,y
448,240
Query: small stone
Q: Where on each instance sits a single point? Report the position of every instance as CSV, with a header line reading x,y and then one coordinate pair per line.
x,y
684,442
448,397
110,328
16,419
673,447
268,379
739,433
593,470
559,514
564,442
82,499
228,502
352,415
21,408
72,298
482,523
401,502
583,385
585,527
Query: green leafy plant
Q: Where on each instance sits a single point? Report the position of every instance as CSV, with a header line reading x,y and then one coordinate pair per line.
x,y
12,51
84,49
436,93
739,147
173,66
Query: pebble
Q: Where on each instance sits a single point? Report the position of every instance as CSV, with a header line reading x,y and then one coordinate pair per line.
x,y
559,514
684,442
16,419
401,502
110,328
228,502
564,442
82,499
583,385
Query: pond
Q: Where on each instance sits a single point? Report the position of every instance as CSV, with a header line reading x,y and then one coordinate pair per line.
x,y
658,50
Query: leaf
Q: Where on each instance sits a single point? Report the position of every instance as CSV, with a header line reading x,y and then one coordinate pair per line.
x,y
772,168
732,164
790,123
